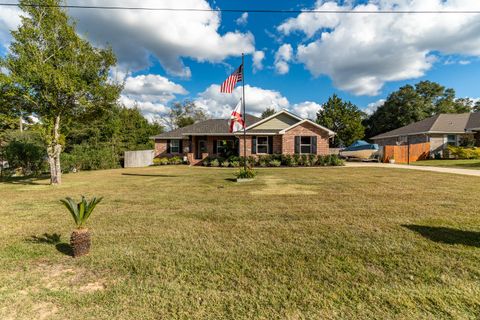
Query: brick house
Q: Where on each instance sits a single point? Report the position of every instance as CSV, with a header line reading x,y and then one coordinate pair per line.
x,y
440,131
281,133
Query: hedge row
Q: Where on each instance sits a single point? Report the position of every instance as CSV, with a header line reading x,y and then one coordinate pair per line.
x,y
464,153
276,160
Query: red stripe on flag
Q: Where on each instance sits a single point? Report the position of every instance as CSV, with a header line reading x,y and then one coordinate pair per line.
x,y
229,84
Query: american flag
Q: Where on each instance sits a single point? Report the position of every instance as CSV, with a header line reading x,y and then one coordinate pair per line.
x,y
229,84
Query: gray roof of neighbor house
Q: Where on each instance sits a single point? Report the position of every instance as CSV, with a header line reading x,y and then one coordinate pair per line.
x,y
207,127
441,123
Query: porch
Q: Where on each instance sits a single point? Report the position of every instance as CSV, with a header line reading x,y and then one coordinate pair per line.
x,y
201,147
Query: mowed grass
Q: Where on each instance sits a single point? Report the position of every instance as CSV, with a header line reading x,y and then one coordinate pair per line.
x,y
451,163
188,243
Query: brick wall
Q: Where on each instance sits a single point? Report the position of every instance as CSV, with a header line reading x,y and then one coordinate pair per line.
x,y
248,144
161,148
277,144
305,129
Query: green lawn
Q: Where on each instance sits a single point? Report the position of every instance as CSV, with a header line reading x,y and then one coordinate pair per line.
x,y
188,243
461,164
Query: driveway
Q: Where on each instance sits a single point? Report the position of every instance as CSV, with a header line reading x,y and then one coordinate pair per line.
x,y
466,172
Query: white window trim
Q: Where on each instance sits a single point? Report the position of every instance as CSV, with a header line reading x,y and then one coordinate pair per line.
x,y
177,146
446,141
263,144
303,145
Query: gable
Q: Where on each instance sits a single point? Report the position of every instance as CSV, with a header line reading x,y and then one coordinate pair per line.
x,y
279,122
307,126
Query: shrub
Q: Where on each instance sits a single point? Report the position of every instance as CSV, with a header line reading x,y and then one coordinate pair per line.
x,y
247,173
235,164
175,160
275,163
463,153
334,160
321,161
225,164
263,160
89,157
160,161
214,163
312,159
26,151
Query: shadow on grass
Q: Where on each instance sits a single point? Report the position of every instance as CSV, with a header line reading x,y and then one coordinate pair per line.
x,y
447,235
231,179
53,239
32,181
149,175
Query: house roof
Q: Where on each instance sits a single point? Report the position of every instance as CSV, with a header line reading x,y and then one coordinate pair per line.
x,y
207,127
474,122
283,111
221,127
441,123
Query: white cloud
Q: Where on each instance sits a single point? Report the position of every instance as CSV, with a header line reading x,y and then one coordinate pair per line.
x,y
220,105
138,36
282,57
257,60
361,52
307,109
9,20
372,107
243,20
150,94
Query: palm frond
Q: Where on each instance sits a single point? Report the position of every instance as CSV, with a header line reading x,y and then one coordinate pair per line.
x,y
82,210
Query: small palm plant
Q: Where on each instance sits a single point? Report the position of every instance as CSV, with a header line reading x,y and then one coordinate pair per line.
x,y
80,238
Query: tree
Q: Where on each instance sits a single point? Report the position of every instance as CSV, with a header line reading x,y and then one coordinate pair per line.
x,y
268,112
57,74
344,118
476,107
414,103
25,150
183,114
105,134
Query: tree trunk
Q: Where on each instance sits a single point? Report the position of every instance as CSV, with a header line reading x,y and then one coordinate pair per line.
x,y
54,150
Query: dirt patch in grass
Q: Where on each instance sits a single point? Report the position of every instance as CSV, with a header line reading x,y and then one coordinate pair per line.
x,y
278,186
58,277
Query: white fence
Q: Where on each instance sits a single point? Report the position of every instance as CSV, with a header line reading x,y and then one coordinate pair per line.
x,y
138,159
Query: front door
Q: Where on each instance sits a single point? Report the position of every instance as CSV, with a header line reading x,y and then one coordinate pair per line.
x,y
201,148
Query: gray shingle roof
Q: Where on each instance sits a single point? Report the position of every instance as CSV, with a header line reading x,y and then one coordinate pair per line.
x,y
441,123
474,121
207,127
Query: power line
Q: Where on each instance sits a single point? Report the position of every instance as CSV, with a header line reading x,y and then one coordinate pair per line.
x,y
286,11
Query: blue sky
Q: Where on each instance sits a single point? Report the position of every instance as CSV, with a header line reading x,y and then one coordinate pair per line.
x,y
165,57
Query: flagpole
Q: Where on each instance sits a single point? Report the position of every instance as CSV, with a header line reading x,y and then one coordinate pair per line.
x,y
244,116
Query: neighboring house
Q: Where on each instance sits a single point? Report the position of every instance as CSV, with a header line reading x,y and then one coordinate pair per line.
x,y
281,133
440,131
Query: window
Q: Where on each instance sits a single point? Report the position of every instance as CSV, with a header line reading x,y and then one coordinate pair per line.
x,y
451,140
262,145
305,145
403,139
226,148
174,146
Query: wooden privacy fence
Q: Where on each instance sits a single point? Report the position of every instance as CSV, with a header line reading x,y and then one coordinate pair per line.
x,y
404,153
138,159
